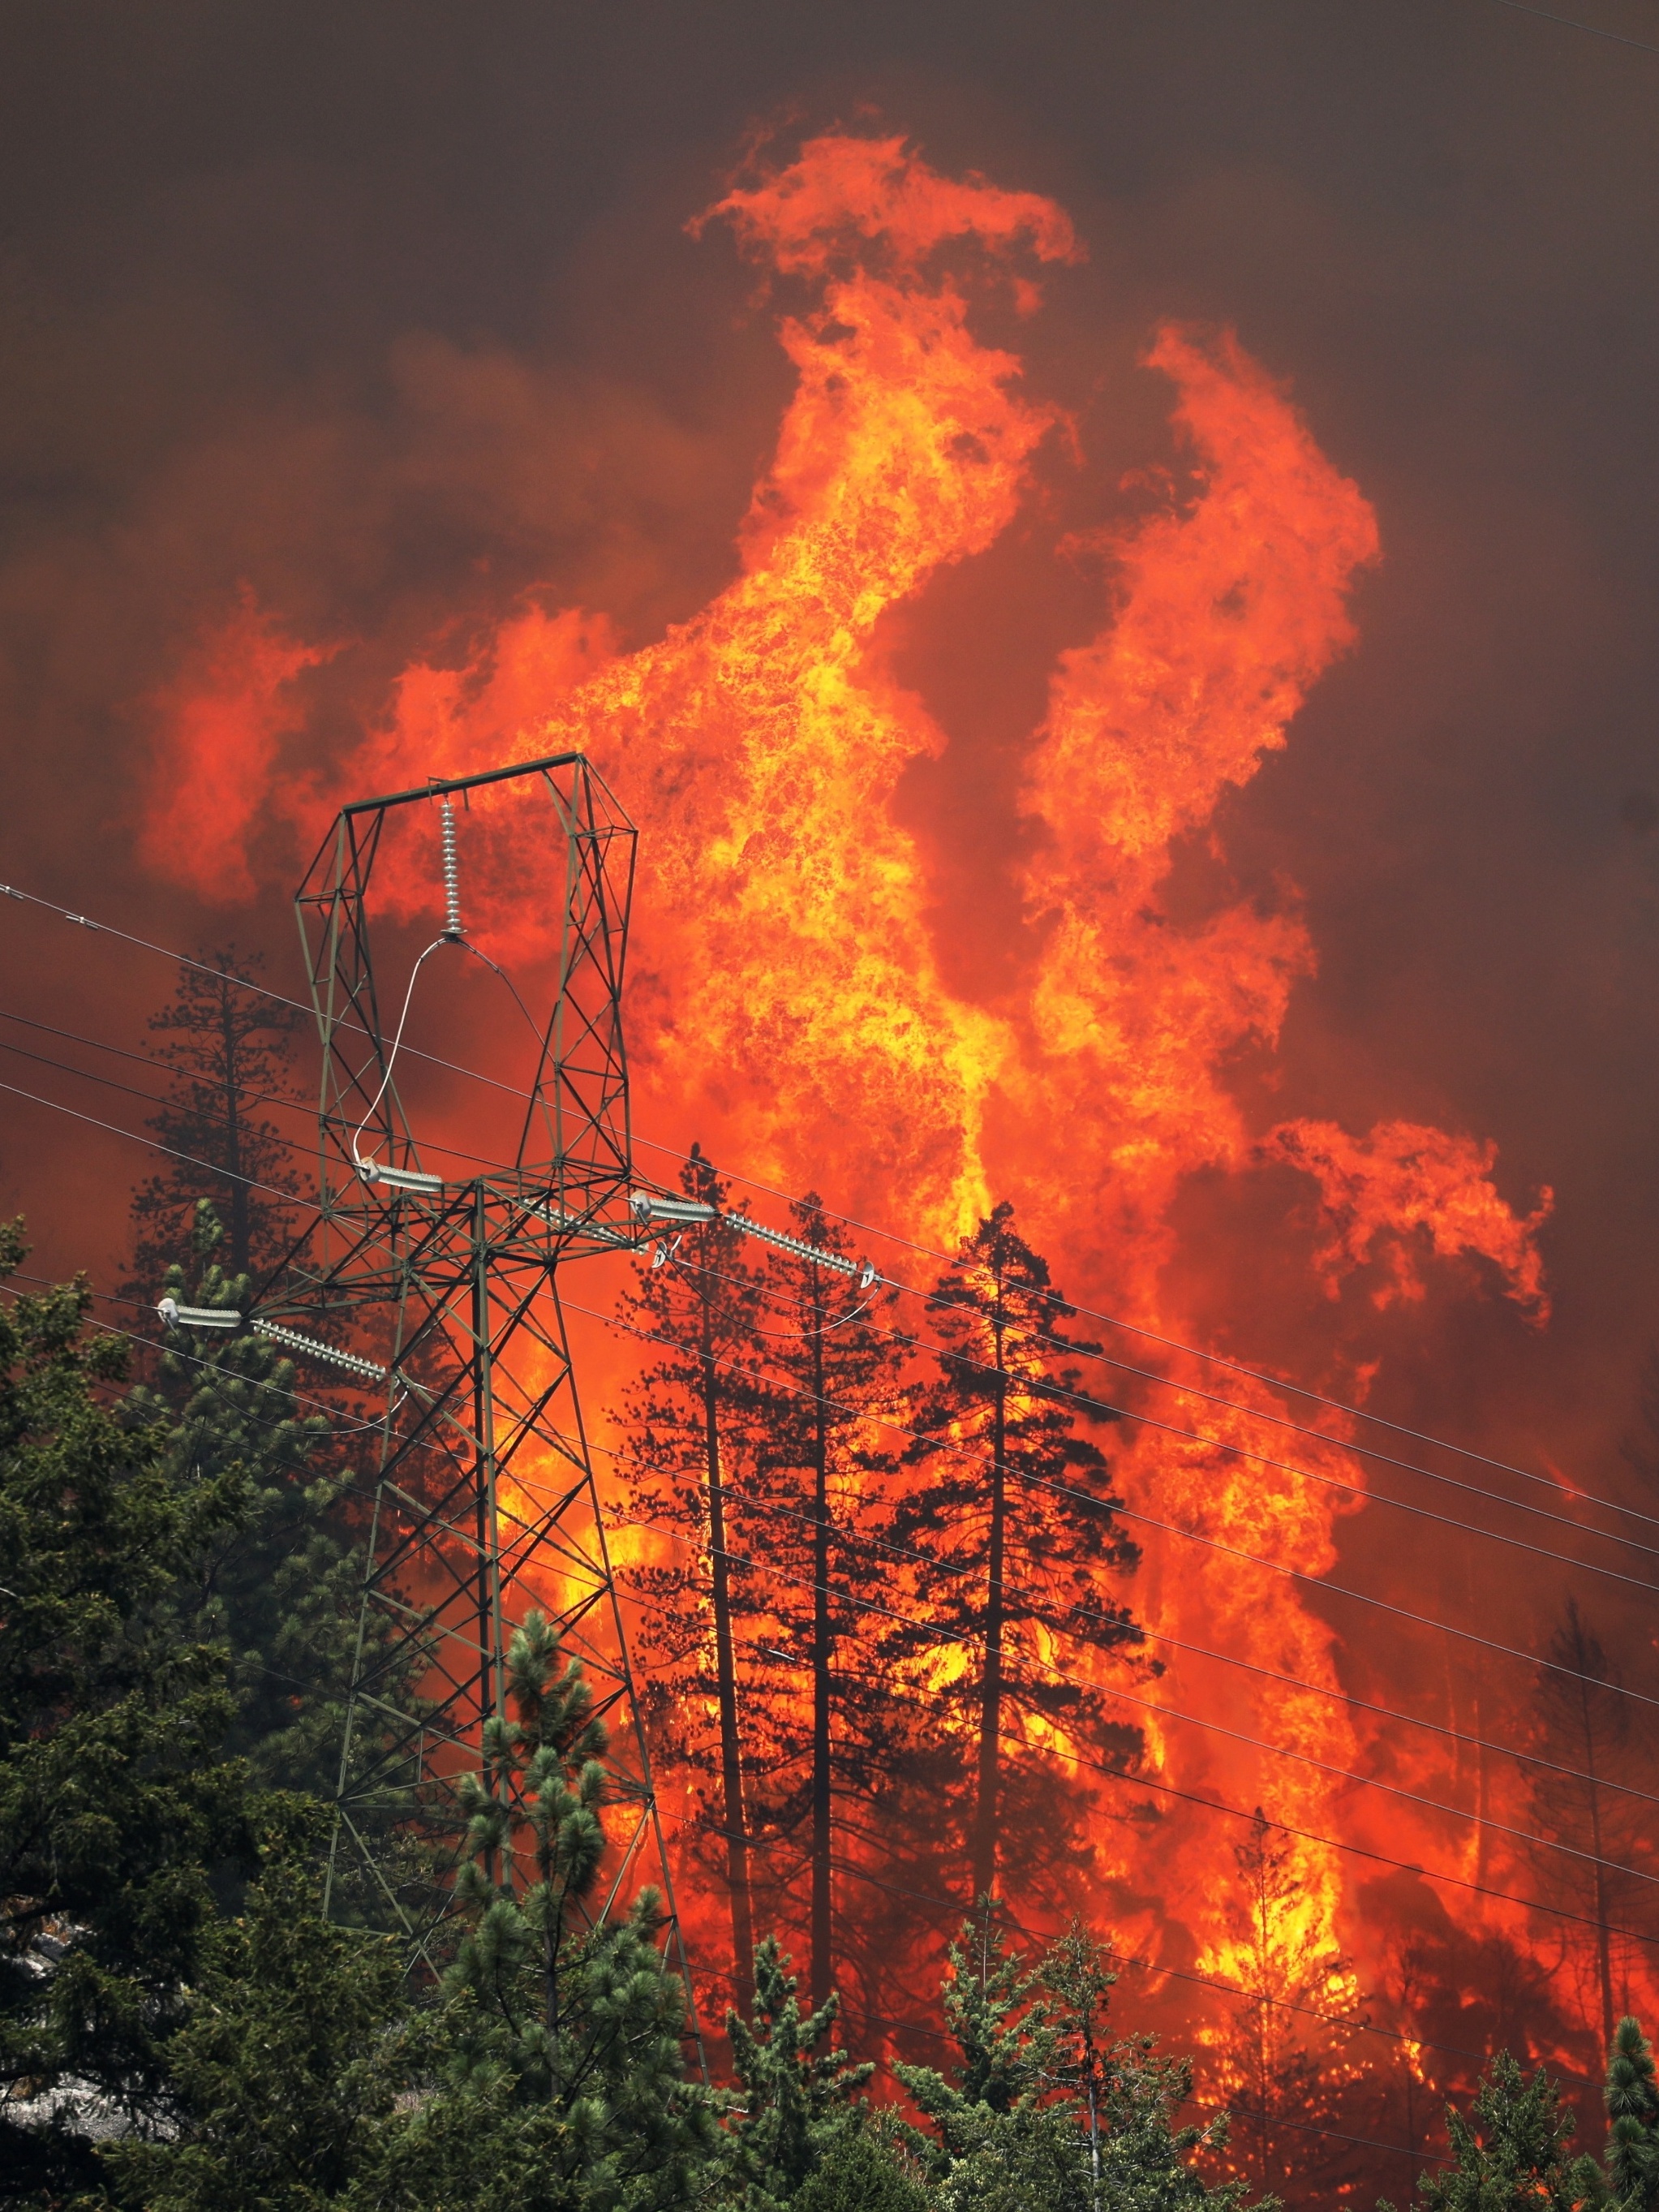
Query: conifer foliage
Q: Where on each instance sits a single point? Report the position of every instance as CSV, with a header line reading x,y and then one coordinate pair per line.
x,y
691,1418
117,1810
1014,1523
227,1045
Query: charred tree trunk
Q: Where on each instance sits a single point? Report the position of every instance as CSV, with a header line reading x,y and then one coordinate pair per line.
x,y
823,1656
737,1834
242,1227
1602,1914
990,1717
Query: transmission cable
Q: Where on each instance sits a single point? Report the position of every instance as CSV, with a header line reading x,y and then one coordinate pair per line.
x,y
1127,1512
1173,1344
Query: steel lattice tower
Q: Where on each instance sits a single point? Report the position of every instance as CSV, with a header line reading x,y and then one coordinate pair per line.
x,y
443,1289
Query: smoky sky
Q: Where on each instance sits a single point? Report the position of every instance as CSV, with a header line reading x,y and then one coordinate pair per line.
x,y
390,314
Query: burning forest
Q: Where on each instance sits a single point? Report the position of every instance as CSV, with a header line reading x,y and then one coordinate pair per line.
x,y
971,1498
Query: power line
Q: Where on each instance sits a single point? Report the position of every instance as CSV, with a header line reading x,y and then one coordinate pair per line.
x,y
1173,1344
1115,1774
941,2035
1571,23
1190,1435
1088,1404
954,1905
921,1343
1173,1529
1034,1336
848,1541
941,1634
1126,1511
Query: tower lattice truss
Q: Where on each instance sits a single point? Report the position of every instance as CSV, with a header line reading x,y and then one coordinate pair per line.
x,y
432,1279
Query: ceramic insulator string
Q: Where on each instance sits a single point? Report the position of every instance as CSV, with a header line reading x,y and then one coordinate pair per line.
x,y
452,874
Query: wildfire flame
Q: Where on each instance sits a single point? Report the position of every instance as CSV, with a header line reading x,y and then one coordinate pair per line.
x,y
799,1019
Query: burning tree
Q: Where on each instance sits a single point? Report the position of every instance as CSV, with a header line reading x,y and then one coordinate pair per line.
x,y
228,1049
1593,1828
692,1416
1014,1529
1287,1968
818,1474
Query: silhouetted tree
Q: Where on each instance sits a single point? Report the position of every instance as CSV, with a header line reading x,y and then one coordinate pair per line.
x,y
229,1049
1286,1966
819,1471
691,1419
1015,1521
1579,1807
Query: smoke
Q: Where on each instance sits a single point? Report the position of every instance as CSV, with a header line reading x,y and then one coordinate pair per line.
x,y
421,416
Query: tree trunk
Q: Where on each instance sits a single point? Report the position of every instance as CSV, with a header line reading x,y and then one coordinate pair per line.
x,y
823,1653
240,1227
990,1716
1603,1937
736,1839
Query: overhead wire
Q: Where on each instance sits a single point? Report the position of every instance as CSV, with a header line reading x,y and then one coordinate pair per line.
x,y
893,1693
1088,1404
955,1906
848,1540
1113,1773
1068,1346
1171,1429
1168,1343
1573,23
1124,1510
939,1633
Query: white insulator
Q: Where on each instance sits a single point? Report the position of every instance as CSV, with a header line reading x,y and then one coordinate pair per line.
x,y
836,1262
314,1348
650,1206
452,874
400,1178
178,1317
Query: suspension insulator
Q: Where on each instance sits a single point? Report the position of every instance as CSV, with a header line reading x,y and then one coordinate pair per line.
x,y
452,874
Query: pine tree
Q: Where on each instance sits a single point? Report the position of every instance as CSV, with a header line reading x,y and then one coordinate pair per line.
x,y
1015,1521
819,1475
569,2034
118,1814
542,1775
692,1420
1285,1968
280,1588
228,1049
297,2040
1633,2100
796,2100
1046,2111
1584,1720
1512,2154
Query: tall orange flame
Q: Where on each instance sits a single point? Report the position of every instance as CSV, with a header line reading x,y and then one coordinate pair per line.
x,y
799,1016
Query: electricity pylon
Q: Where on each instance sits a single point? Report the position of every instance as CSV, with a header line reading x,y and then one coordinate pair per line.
x,y
436,1280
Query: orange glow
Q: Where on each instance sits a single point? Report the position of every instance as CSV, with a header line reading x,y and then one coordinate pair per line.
x,y
792,1010
220,720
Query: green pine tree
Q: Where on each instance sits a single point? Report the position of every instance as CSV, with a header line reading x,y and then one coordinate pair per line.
x,y
280,1589
1633,2102
1512,2154
796,2100
118,1812
1047,2113
297,2042
576,2028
